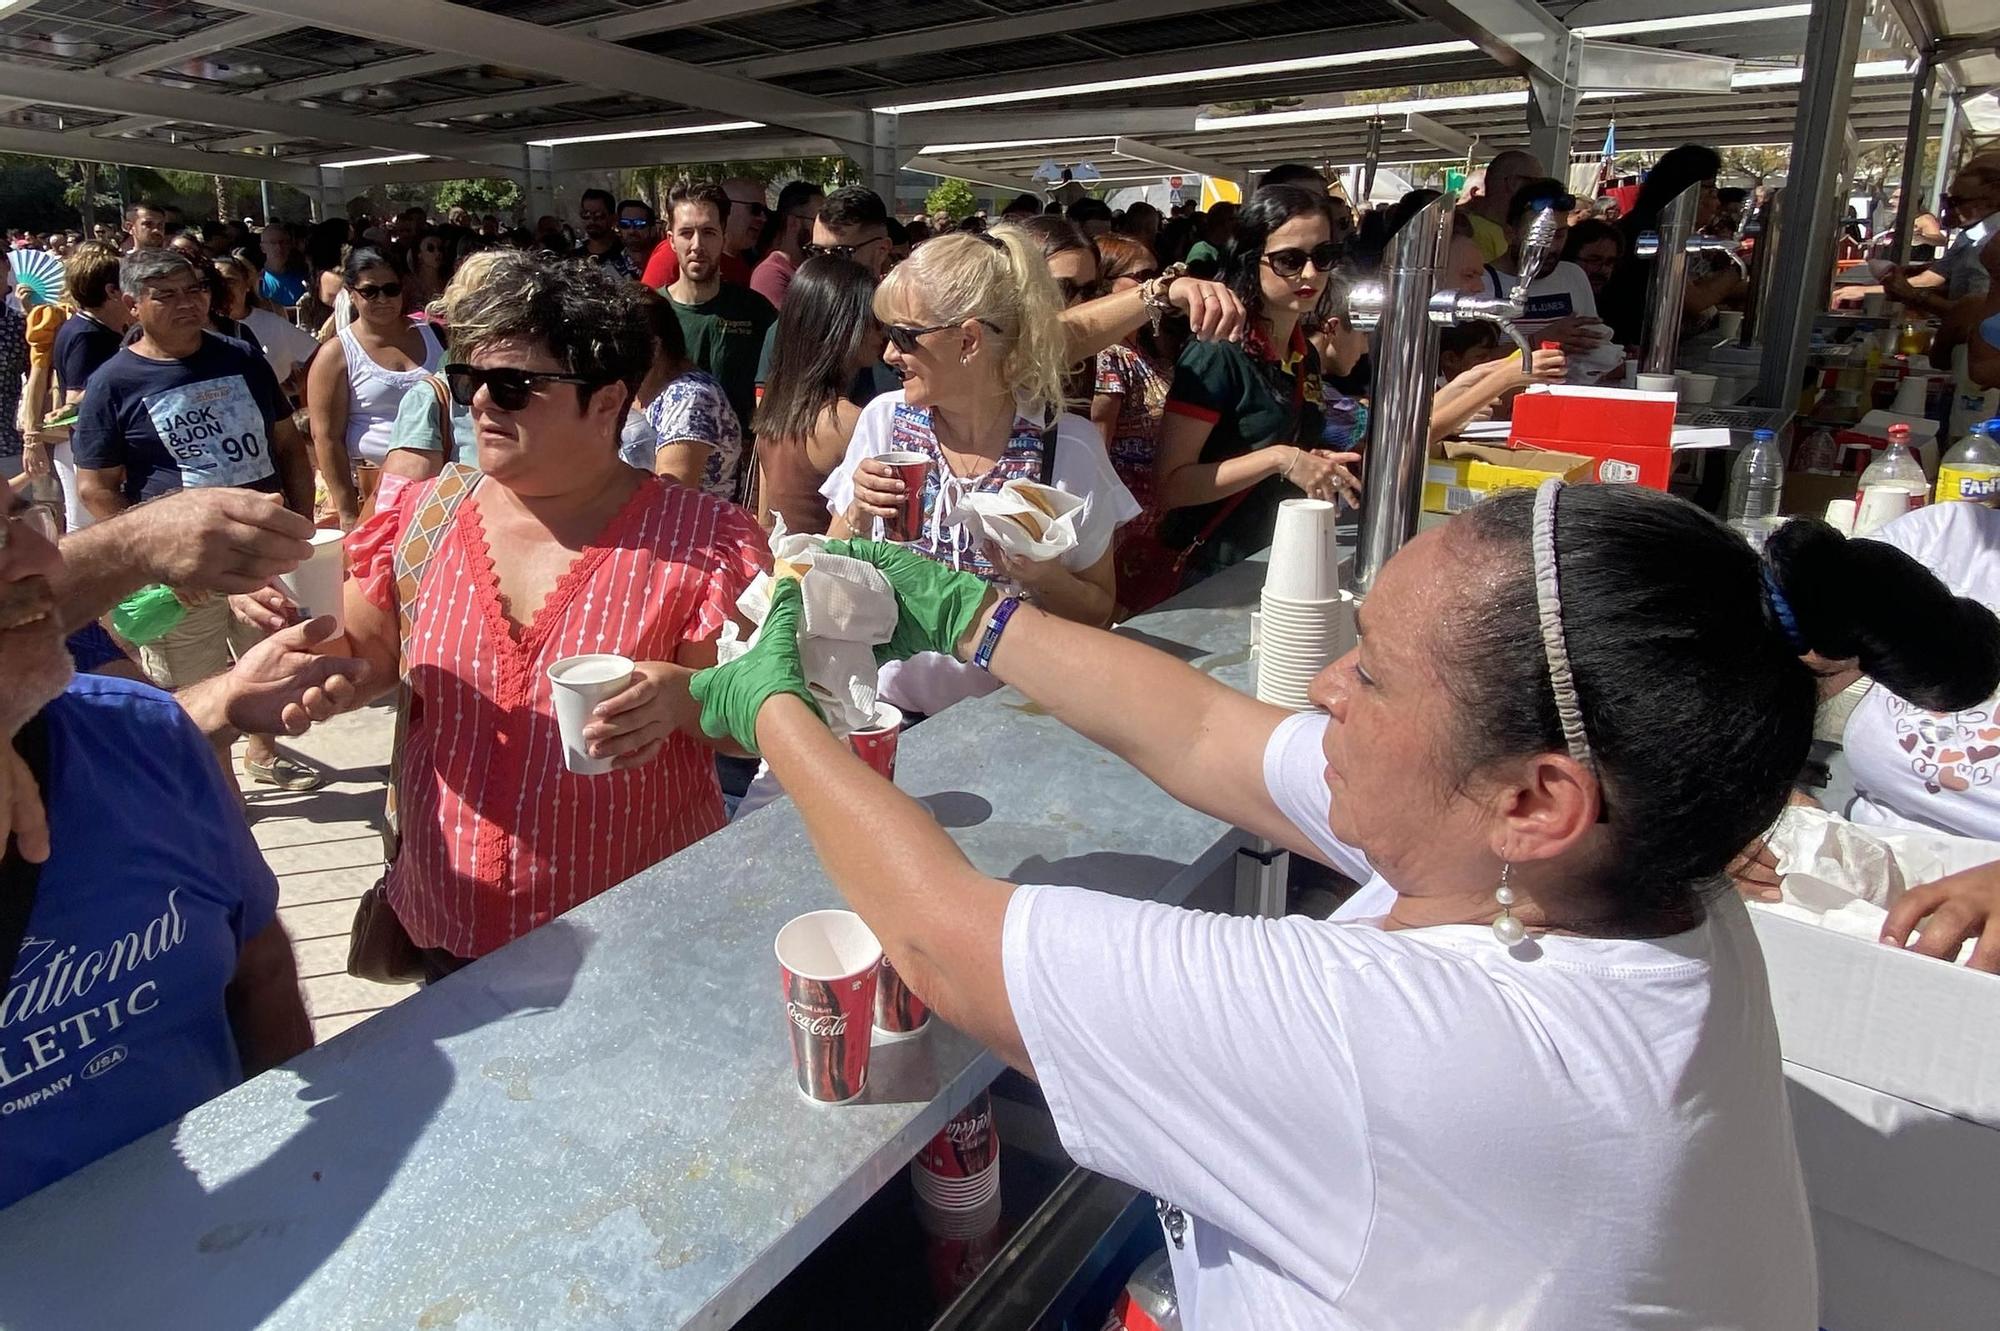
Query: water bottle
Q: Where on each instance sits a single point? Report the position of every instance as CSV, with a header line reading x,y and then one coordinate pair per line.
x,y
1970,472
1893,484
1756,484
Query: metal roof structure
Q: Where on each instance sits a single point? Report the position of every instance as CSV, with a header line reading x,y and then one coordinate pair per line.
x,y
334,95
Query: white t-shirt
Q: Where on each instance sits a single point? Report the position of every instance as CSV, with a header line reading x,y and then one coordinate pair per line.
x,y
284,345
1420,1128
929,682
1916,768
1558,294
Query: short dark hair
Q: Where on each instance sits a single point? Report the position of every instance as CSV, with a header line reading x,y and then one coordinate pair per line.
x,y
1055,235
1088,210
603,196
1293,173
854,206
640,204
588,317
1022,203
703,193
1547,190
1589,232
363,257
1696,704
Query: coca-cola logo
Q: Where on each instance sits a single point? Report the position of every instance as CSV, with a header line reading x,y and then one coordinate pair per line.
x,y
817,1023
966,1131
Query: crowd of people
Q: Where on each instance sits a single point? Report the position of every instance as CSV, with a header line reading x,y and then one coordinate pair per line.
x,y
542,443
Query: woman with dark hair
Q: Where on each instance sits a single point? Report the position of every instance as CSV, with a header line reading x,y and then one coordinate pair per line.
x,y
1243,420
1071,259
1624,299
1536,1049
1128,400
827,334
357,381
681,424
1595,246
430,262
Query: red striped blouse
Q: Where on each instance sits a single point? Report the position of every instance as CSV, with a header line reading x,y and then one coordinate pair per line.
x,y
497,835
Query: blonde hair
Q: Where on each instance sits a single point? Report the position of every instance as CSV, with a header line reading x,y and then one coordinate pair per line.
x,y
467,278
1001,279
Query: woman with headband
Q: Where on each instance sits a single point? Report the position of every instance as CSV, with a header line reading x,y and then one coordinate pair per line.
x,y
1528,1075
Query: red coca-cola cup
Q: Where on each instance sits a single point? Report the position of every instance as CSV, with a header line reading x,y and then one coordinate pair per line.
x,y
898,1011
877,744
959,1169
910,468
829,960
955,1262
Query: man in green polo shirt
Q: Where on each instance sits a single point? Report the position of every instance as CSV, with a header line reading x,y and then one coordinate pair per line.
x,y
724,323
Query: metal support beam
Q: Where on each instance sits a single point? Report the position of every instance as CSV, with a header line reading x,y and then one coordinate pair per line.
x,y
1420,127
1520,34
483,37
668,151
1805,262
985,125
1947,145
1913,153
1186,163
883,159
539,198
1552,109
203,41
1622,67
43,143
977,175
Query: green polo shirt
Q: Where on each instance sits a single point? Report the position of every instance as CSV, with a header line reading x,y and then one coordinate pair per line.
x,y
725,335
1250,401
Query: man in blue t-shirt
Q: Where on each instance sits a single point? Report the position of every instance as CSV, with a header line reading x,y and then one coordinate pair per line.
x,y
151,974
282,282
184,407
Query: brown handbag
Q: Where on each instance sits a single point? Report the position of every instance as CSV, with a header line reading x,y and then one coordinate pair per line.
x,y
379,948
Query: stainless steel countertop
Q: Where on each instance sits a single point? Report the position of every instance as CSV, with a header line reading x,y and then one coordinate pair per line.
x,y
597,1126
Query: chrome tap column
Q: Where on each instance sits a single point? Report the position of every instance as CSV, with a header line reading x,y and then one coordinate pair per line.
x,y
1766,228
1399,306
1669,286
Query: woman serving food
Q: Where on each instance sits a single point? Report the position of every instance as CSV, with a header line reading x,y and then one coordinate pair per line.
x,y
1528,1076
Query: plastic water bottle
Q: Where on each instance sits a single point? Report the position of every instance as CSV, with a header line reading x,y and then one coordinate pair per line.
x,y
1756,483
1893,484
1970,472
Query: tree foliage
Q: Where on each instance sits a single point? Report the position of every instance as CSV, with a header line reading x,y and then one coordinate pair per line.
x,y
953,198
479,197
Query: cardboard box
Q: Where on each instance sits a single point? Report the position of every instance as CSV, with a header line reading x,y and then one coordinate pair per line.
x,y
1459,475
1629,434
1809,492
1893,1066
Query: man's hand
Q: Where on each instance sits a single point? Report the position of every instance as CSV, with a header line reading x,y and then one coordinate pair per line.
x,y
21,814
1214,313
281,686
222,540
1951,910
632,724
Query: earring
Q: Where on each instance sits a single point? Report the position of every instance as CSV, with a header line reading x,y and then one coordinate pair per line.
x,y
1507,929
965,359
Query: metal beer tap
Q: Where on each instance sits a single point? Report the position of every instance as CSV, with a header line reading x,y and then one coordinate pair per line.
x,y
1368,299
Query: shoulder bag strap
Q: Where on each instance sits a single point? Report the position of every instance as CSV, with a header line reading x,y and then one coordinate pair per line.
x,y
18,875
419,542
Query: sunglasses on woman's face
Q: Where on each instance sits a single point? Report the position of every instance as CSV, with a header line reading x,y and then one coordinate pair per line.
x,y
1074,291
386,291
1290,263
906,337
510,389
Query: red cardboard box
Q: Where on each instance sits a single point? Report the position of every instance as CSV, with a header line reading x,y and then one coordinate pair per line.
x,y
1631,434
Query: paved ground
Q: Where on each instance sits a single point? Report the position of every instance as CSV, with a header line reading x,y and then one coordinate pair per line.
x,y
325,847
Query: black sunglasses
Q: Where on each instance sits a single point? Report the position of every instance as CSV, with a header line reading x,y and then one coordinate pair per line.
x,y
369,291
813,251
1074,291
906,336
756,209
510,389
1290,262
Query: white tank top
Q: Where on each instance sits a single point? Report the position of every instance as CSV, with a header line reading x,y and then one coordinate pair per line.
x,y
374,393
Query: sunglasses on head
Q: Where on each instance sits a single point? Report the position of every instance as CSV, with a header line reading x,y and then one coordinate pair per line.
x,y
814,251
386,291
905,337
1292,262
510,389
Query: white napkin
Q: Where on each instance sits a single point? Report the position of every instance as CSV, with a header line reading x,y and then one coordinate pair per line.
x,y
989,514
848,608
1845,877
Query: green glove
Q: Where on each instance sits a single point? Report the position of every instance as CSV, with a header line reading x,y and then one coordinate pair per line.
x,y
732,695
935,603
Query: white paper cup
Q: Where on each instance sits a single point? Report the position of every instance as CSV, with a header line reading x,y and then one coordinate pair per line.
x,y
1730,324
314,586
1695,387
579,683
1304,563
1840,515
1880,506
1659,383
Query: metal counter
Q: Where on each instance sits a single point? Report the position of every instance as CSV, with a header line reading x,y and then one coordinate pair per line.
x,y
597,1125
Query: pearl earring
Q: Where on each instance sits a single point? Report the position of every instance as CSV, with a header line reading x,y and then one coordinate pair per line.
x,y
965,359
1507,929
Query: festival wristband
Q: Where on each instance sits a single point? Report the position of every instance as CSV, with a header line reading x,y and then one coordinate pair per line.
x,y
982,657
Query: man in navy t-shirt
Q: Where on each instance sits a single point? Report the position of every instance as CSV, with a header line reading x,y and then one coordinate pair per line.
x,y
151,974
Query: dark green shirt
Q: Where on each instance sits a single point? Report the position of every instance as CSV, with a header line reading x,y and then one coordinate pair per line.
x,y
1252,399
724,336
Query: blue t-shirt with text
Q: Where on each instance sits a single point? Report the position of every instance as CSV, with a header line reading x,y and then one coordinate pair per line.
x,y
114,1022
202,420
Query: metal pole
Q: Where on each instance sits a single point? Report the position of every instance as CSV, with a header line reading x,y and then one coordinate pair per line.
x,y
1913,153
1668,291
1805,261
1405,372
1768,228
1947,145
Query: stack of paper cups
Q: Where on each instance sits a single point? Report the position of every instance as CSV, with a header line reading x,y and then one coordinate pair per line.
x,y
957,1176
1304,622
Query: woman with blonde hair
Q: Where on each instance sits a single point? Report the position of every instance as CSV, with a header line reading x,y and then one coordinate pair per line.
x,y
975,333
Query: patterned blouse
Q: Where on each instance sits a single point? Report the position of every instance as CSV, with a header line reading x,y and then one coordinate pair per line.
x,y
1142,385
694,407
497,835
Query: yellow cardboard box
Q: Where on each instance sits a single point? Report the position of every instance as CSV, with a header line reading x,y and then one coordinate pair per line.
x,y
1458,475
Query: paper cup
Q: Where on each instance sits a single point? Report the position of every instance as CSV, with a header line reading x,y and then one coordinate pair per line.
x,y
898,1011
911,469
1659,383
1880,506
1304,564
314,586
1730,324
955,1261
577,684
1695,387
829,961
1840,515
877,744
